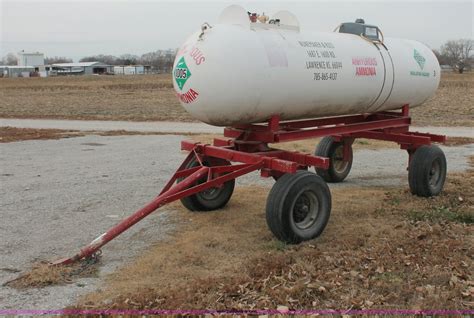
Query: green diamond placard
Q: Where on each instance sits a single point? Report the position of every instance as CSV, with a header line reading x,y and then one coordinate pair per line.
x,y
419,58
181,73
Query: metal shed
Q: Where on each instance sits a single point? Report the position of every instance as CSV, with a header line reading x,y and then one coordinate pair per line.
x,y
16,71
82,68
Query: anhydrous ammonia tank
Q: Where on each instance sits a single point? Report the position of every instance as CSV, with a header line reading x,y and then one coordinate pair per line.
x,y
245,69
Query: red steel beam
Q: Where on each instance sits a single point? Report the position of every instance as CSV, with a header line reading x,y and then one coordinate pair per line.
x,y
297,130
180,190
398,138
280,160
345,129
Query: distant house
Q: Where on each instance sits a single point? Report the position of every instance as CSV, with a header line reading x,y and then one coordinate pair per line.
x,y
82,68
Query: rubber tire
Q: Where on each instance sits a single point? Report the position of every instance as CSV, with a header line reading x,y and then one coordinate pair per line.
x,y
327,148
281,199
197,203
420,168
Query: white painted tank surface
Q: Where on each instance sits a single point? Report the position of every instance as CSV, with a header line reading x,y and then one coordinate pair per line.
x,y
238,71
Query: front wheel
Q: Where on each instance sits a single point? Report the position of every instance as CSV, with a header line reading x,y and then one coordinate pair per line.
x,y
298,207
213,198
427,171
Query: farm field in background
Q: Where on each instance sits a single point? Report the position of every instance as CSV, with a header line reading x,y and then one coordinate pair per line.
x,y
151,98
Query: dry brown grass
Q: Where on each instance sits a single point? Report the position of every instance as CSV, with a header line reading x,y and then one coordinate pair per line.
x,y
44,274
373,254
11,134
151,98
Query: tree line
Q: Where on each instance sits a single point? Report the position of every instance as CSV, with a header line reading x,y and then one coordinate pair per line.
x,y
158,60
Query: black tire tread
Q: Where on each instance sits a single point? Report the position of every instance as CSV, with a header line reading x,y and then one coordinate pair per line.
x,y
324,149
276,200
418,168
193,204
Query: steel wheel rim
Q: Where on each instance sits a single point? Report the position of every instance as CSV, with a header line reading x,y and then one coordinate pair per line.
x,y
338,162
211,193
434,176
305,210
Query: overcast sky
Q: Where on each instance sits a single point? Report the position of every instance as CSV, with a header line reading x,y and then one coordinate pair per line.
x,y
79,28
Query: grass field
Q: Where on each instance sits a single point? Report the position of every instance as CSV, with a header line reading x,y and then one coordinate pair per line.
x,y
383,248
138,98
151,98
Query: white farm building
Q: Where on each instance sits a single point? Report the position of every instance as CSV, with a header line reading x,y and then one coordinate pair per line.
x,y
30,59
82,68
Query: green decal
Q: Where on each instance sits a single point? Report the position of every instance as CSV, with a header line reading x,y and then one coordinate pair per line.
x,y
417,73
419,58
181,73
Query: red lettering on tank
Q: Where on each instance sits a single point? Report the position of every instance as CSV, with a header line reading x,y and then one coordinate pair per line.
x,y
364,61
365,71
188,97
197,55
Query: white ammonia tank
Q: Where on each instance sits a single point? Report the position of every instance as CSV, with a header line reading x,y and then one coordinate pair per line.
x,y
242,71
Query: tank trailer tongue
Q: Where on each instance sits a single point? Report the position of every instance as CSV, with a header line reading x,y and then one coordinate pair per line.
x,y
351,84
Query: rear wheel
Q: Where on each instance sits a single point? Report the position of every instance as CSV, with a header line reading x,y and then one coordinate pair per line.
x,y
338,168
212,198
298,207
427,171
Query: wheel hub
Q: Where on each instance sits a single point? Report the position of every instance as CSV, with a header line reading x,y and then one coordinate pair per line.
x,y
305,210
338,160
210,194
435,173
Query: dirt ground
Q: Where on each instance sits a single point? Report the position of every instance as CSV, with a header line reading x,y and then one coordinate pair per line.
x,y
453,104
13,134
137,98
151,98
383,248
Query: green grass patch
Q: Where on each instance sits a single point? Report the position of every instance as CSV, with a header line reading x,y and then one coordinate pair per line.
x,y
440,214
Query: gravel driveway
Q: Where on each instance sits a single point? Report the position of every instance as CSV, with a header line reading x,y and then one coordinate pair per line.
x,y
57,195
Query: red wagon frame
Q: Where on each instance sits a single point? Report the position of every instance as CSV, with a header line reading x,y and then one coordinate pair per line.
x,y
247,146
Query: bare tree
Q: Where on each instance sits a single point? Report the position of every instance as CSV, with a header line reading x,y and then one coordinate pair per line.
x,y
160,60
57,59
458,53
441,57
127,59
106,59
10,59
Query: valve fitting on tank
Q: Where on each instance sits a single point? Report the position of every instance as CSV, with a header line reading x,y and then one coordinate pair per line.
x,y
204,27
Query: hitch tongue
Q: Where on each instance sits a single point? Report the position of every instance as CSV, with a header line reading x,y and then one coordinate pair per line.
x,y
171,193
